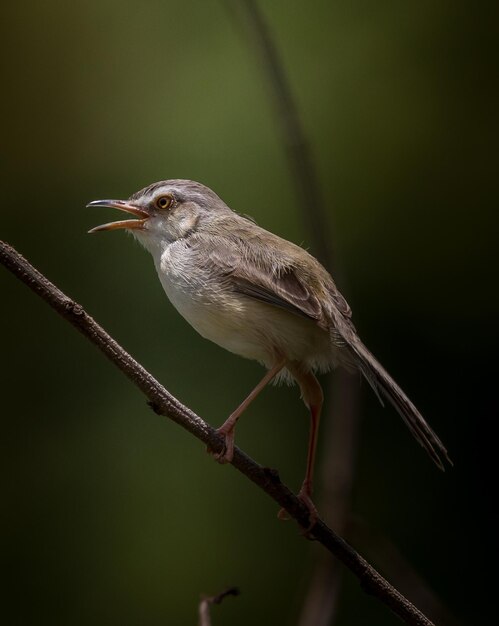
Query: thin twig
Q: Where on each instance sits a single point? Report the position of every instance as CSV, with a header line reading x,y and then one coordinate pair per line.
x,y
300,160
165,404
342,421
206,602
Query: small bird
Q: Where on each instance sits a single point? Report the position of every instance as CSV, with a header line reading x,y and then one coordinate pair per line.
x,y
258,296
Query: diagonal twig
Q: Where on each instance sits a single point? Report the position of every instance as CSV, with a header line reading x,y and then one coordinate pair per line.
x,y
165,404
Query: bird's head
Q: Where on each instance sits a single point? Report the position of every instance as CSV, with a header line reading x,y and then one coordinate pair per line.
x,y
164,211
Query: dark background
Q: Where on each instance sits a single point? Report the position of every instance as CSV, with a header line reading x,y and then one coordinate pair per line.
x,y
113,515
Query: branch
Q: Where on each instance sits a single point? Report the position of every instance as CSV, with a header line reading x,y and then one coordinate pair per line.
x,y
296,146
206,602
165,404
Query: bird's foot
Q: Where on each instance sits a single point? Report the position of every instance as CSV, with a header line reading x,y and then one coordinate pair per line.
x,y
304,496
226,454
283,515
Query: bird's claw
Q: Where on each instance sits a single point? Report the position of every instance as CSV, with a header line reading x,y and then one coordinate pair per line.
x,y
313,514
283,515
226,454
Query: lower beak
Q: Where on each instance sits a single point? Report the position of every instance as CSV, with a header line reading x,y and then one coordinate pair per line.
x,y
121,205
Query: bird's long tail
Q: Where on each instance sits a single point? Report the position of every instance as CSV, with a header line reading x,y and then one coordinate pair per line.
x,y
384,385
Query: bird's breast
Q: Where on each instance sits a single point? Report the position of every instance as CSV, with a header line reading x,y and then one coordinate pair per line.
x,y
204,301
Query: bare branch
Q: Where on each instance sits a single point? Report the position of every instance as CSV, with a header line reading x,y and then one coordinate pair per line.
x,y
165,404
300,160
206,602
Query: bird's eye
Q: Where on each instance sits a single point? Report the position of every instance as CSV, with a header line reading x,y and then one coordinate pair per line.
x,y
164,202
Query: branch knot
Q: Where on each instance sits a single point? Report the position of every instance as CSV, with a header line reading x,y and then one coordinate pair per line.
x,y
74,308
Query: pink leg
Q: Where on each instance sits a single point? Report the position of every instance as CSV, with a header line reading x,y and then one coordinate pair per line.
x,y
228,427
305,493
313,397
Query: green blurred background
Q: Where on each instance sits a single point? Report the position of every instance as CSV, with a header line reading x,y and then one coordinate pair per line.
x,y
113,515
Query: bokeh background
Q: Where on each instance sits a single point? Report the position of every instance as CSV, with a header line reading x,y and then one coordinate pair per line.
x,y
113,515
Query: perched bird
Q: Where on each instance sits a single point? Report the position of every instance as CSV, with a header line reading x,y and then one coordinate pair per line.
x,y
259,296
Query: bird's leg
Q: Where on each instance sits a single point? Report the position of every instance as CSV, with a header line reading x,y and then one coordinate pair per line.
x,y
313,397
227,429
305,493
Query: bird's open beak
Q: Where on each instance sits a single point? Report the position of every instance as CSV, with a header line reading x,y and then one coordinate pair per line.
x,y
121,205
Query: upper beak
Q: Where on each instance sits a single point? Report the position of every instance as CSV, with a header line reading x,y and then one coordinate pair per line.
x,y
121,205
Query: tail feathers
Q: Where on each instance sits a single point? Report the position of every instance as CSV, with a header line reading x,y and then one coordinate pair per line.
x,y
384,385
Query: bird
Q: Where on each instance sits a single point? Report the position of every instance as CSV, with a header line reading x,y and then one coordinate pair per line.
x,y
260,297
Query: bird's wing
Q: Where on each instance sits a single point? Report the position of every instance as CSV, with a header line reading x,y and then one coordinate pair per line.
x,y
284,290
266,273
